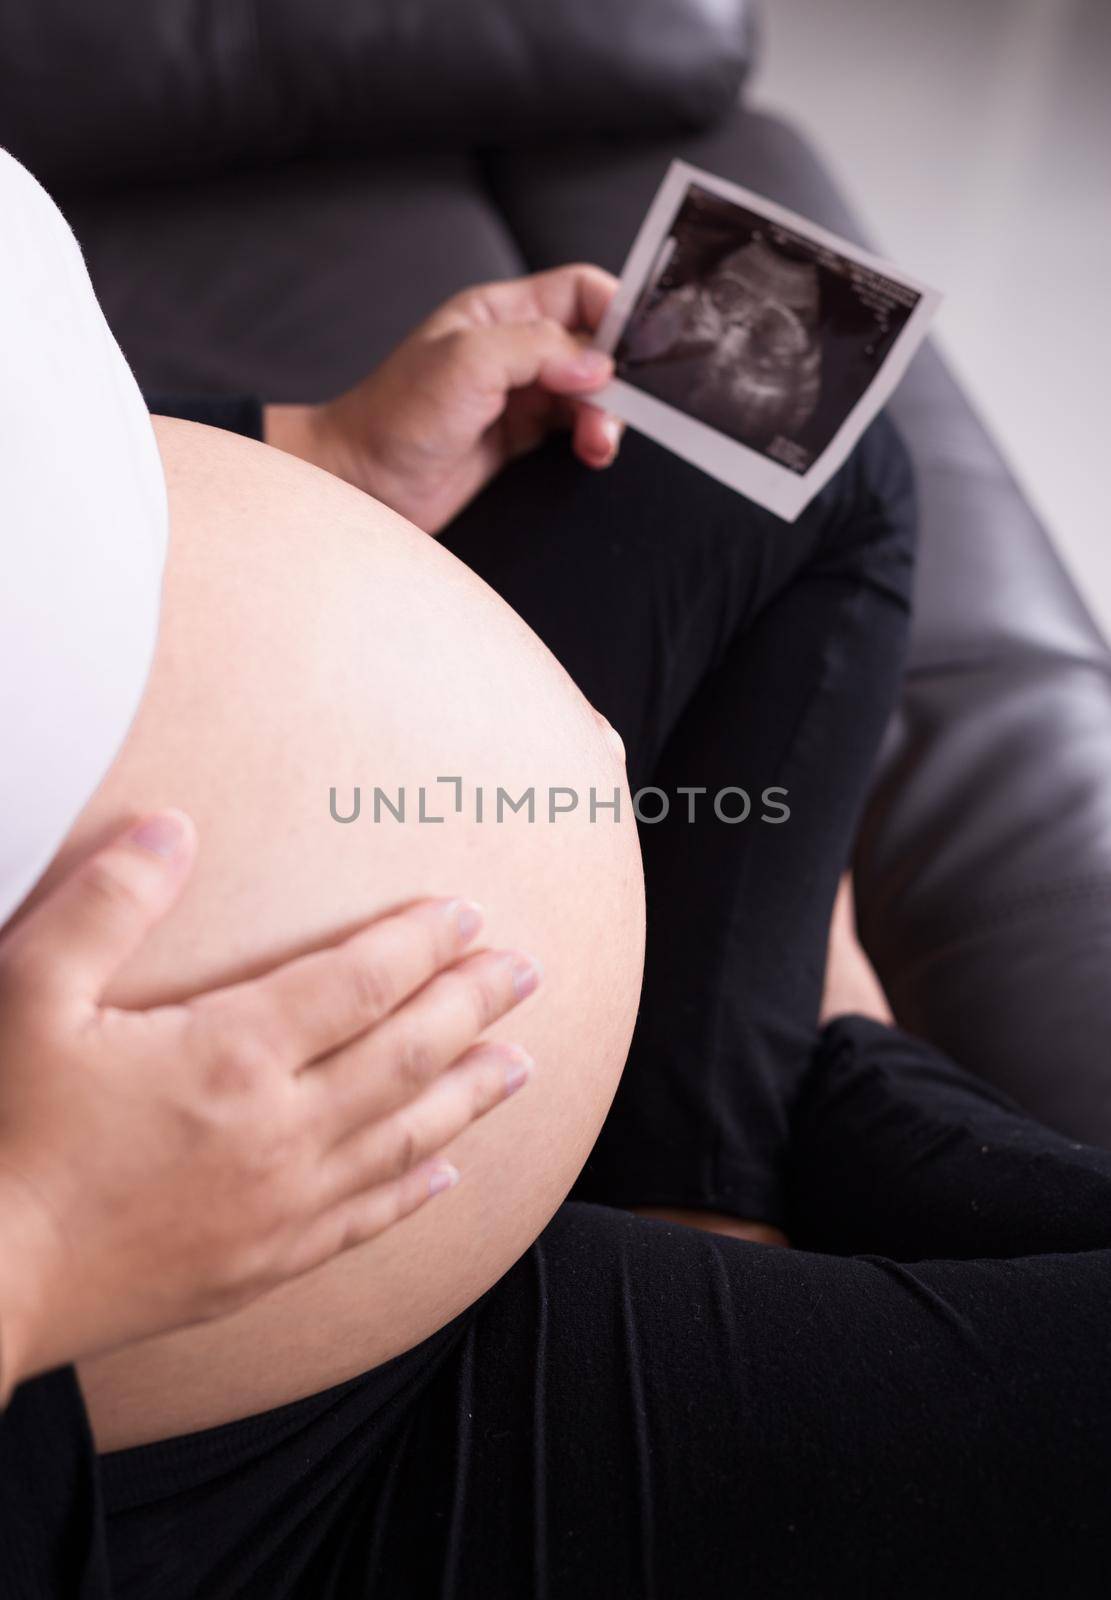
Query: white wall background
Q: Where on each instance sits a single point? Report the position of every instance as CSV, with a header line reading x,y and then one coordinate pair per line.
x,y
975,137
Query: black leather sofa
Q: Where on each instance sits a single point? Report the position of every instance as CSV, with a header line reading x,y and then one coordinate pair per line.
x,y
269,196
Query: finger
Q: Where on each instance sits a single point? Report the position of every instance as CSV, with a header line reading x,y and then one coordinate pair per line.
x,y
480,1080
418,1042
492,360
79,937
575,296
596,436
318,1002
364,1216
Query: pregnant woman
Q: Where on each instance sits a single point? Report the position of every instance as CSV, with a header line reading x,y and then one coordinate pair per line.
x,y
509,1393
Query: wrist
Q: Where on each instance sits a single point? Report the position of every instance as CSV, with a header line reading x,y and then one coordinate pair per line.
x,y
25,1250
294,429
17,1322
322,436
13,1365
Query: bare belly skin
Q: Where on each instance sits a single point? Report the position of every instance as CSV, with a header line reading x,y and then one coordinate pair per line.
x,y
313,640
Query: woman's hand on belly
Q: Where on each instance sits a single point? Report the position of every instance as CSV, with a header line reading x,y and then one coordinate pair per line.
x,y
161,1167
482,380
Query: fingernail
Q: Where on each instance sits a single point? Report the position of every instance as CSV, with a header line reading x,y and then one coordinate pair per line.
x,y
611,432
526,976
163,835
519,1071
468,917
590,365
441,1178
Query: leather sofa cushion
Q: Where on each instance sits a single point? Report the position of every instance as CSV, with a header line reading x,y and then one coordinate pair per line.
x,y
114,91
291,282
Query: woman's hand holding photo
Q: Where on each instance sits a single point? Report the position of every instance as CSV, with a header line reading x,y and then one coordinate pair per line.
x,y
481,381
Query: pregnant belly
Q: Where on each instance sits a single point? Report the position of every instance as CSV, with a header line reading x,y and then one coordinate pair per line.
x,y
311,642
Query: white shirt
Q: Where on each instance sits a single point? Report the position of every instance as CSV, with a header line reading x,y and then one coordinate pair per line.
x,y
83,534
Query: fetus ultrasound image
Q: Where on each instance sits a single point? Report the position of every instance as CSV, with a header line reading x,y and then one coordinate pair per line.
x,y
760,332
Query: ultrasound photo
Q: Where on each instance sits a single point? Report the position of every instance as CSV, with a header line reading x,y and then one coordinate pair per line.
x,y
738,322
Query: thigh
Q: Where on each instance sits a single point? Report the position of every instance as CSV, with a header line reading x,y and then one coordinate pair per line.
x,y
312,640
744,660
639,1408
661,1412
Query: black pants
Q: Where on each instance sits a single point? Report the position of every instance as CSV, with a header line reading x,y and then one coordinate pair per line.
x,y
914,1402
731,651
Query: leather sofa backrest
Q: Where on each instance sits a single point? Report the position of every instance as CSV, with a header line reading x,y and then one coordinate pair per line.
x,y
113,91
